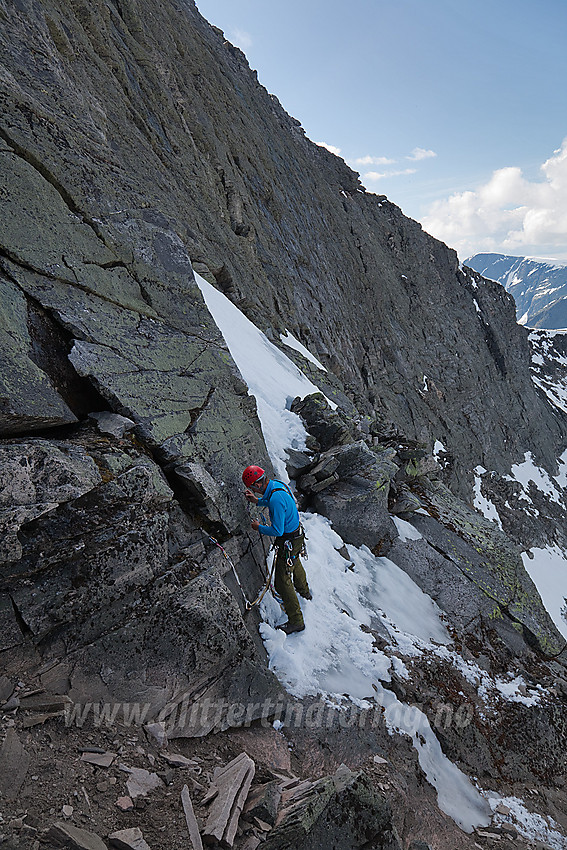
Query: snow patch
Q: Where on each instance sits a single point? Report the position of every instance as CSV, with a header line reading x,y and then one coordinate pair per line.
x,y
547,569
289,340
335,656
528,471
529,824
481,503
406,531
271,376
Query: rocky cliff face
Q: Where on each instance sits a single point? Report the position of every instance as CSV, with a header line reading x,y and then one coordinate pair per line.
x,y
153,140
136,145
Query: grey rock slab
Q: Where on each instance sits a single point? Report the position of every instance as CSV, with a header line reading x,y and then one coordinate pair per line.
x,y
37,477
112,423
99,759
45,702
233,783
489,559
41,472
440,577
141,782
39,719
65,835
59,247
28,399
190,819
128,839
201,488
6,689
11,704
177,760
14,762
158,733
263,801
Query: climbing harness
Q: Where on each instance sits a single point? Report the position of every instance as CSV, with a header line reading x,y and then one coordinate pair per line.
x,y
287,543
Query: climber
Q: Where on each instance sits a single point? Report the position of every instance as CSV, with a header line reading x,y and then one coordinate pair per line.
x,y
289,541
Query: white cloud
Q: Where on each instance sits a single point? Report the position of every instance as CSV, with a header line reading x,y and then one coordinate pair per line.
x,y
509,214
373,160
330,148
241,38
380,175
418,154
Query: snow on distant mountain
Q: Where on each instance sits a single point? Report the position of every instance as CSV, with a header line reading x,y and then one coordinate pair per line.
x,y
539,286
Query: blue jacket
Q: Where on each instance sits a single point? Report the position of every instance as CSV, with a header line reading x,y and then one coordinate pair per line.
x,y
284,516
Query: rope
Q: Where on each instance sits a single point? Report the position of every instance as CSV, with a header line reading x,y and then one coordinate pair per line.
x,y
247,604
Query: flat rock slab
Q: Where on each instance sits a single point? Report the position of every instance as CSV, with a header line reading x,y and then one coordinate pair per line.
x,y
6,688
176,760
158,733
128,839
232,784
191,820
141,782
38,719
65,835
14,763
45,702
263,802
99,759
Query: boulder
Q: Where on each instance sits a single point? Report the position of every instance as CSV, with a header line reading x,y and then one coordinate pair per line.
x,y
112,423
357,503
299,463
201,489
329,427
263,802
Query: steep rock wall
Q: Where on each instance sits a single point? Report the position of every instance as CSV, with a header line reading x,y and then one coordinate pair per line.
x,y
159,140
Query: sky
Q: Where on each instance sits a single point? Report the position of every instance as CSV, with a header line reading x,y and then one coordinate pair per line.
x,y
454,109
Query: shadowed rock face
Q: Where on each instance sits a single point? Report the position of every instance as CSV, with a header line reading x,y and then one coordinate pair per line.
x,y
152,144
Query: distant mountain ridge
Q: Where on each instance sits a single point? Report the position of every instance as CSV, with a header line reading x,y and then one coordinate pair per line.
x,y
538,286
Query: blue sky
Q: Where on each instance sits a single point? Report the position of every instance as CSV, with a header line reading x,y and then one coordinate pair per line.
x,y
454,109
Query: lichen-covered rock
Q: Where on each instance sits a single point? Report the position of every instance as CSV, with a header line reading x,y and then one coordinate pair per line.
x,y
113,568
329,427
28,399
38,476
492,565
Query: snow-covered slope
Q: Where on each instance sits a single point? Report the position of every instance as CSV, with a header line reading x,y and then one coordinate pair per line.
x,y
539,286
336,656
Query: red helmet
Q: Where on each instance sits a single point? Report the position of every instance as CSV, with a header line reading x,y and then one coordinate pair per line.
x,y
252,474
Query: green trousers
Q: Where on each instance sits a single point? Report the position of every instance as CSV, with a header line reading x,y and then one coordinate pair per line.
x,y
288,580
